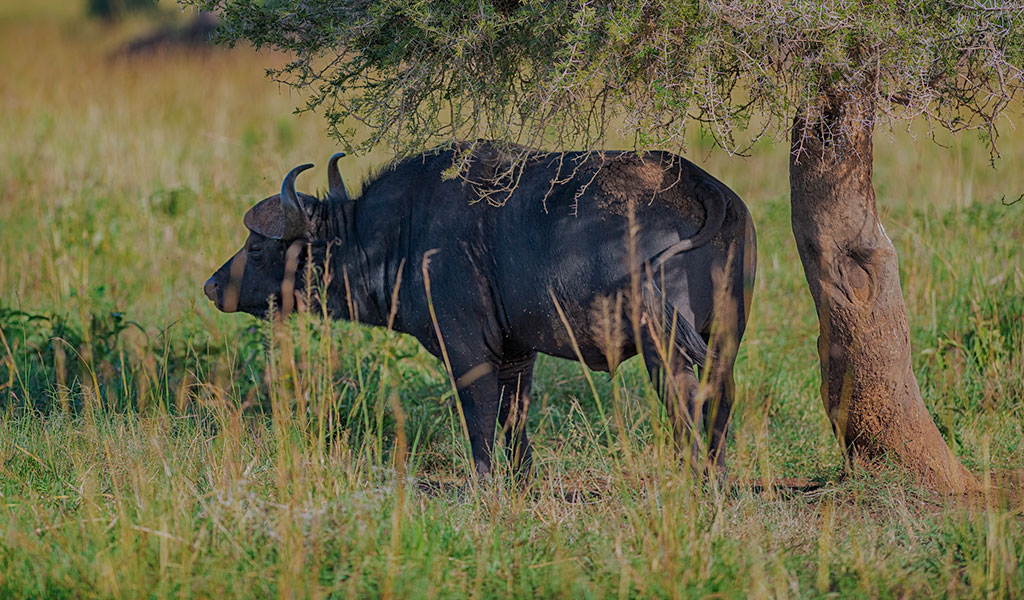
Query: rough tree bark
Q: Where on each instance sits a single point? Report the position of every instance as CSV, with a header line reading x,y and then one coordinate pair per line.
x,y
867,382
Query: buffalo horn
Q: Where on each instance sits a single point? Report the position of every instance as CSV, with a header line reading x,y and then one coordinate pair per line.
x,y
296,224
336,187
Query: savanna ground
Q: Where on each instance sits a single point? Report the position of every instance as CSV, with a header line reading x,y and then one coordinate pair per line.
x,y
150,446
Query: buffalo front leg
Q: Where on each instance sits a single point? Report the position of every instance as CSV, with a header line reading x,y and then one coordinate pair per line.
x,y
515,376
479,397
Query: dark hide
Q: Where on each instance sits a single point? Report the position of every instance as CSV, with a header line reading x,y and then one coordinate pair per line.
x,y
543,267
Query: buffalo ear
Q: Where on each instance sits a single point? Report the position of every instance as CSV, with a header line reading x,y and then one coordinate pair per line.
x,y
282,216
296,223
266,219
335,186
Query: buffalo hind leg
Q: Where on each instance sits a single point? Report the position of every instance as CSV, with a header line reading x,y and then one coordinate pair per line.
x,y
515,377
733,288
724,344
718,406
676,385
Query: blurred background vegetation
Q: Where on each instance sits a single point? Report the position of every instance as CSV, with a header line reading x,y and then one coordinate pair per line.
x,y
152,446
117,9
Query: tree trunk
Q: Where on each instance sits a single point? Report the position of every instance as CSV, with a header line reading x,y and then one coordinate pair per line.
x,y
867,383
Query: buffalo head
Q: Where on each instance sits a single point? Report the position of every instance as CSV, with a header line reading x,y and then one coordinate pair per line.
x,y
268,270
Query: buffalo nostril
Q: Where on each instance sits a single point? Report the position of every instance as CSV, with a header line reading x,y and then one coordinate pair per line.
x,y
210,288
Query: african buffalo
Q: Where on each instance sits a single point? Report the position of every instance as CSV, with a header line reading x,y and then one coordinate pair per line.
x,y
591,256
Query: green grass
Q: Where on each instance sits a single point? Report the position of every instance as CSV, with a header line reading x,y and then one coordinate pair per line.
x,y
150,446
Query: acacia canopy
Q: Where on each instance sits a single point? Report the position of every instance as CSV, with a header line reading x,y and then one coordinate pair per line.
x,y
565,74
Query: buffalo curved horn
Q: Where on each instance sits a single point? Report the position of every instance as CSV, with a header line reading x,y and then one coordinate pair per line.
x,y
335,186
296,223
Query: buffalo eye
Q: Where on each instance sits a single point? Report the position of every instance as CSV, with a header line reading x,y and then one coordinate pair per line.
x,y
255,253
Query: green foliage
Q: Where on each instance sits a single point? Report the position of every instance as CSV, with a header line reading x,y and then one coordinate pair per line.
x,y
174,202
569,74
59,362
